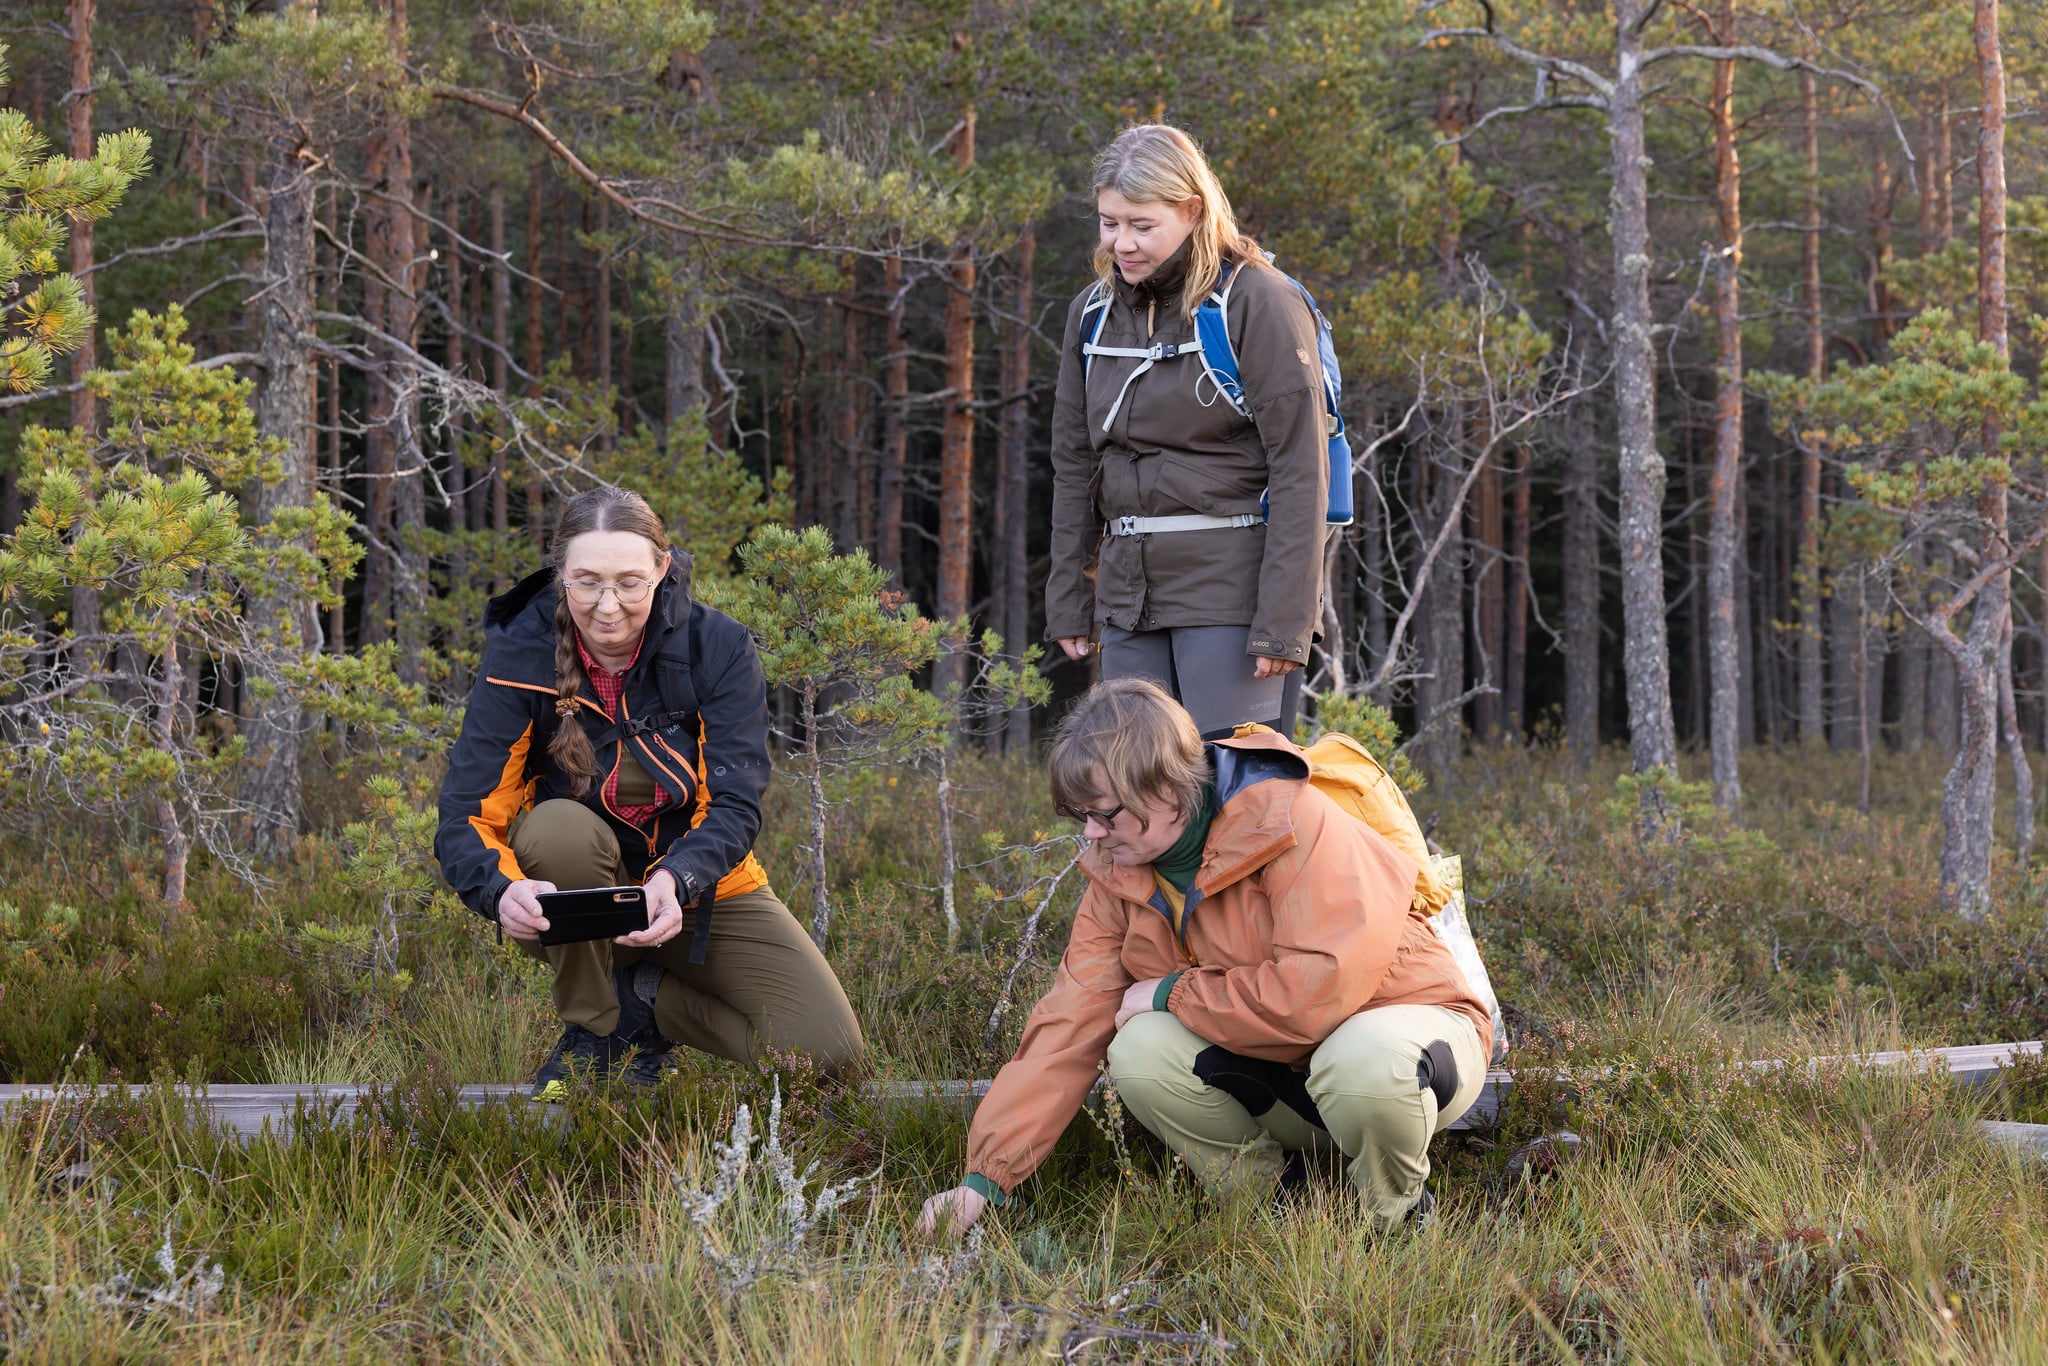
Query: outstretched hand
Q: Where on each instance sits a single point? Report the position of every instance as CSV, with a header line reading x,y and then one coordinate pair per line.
x,y
954,1212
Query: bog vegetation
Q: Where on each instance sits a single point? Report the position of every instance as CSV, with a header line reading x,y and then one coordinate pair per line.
x,y
1695,590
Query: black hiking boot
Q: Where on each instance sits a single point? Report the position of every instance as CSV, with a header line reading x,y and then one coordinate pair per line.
x,y
1293,1188
579,1056
648,1055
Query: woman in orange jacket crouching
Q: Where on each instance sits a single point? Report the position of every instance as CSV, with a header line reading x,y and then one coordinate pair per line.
x,y
1247,959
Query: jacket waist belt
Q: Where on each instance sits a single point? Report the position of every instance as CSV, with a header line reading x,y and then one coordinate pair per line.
x,y
1193,521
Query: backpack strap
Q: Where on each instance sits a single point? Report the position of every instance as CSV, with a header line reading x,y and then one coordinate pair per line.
x,y
1219,357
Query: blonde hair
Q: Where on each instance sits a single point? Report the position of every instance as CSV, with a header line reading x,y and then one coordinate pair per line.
x,y
1143,743
1156,163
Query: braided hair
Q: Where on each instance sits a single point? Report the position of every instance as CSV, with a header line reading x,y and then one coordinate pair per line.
x,y
599,509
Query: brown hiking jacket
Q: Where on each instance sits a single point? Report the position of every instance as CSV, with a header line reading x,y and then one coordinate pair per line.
x,y
1299,918
1177,447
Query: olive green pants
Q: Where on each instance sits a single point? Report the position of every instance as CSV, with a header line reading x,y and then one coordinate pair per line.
x,y
1363,1079
762,994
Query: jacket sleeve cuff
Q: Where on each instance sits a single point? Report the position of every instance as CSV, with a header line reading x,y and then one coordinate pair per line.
x,y
1162,993
986,1189
1179,989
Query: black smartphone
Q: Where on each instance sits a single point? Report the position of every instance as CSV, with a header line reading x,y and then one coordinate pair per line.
x,y
592,913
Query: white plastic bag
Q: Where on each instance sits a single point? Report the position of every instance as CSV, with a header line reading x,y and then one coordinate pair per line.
x,y
1456,932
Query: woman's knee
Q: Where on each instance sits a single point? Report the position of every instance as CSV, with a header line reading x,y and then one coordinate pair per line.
x,y
568,844
1153,1048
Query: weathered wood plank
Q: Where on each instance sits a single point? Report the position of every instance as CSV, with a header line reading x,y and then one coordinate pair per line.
x,y
245,1110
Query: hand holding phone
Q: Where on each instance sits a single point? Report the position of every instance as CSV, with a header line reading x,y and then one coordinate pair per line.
x,y
588,913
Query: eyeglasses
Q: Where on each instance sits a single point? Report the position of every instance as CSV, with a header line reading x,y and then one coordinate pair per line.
x,y
590,592
1081,816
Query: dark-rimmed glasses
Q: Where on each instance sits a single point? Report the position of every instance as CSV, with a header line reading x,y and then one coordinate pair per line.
x,y
1081,816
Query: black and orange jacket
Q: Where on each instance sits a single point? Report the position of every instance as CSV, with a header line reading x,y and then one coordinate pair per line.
x,y
714,768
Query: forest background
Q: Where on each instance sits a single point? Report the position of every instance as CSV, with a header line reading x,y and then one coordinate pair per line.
x,y
1692,370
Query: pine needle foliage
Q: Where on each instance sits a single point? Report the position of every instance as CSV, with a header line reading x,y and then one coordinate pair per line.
x,y
43,312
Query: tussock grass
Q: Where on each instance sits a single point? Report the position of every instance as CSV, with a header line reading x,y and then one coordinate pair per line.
x,y
1714,1215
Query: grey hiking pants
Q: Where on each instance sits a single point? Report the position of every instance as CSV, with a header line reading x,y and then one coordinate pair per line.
x,y
1207,669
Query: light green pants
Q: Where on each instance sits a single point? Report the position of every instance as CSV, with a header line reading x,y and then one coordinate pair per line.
x,y
1363,1079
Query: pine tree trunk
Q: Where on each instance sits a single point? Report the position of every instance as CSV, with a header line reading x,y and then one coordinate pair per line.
x,y
86,357
683,332
1489,596
392,242
271,784
1581,580
1515,664
1013,496
177,843
956,438
895,423
2016,750
1646,655
85,602
501,368
1372,538
1445,657
1968,795
602,299
535,358
1879,286
1812,669
1723,642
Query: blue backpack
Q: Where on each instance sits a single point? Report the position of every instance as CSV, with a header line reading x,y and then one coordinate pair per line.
x,y
1219,365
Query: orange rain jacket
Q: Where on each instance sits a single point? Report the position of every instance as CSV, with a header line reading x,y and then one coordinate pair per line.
x,y
1300,917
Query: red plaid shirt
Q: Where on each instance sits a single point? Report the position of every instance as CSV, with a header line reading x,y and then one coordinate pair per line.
x,y
610,687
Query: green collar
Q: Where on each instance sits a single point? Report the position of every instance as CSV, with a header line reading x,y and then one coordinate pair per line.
x,y
1179,864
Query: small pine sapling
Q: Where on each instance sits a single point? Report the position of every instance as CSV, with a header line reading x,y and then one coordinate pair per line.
x,y
834,634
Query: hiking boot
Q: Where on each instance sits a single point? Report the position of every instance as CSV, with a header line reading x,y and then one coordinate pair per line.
x,y
1421,1214
1293,1187
579,1056
635,1037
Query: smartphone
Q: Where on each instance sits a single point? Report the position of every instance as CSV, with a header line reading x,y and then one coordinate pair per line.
x,y
592,913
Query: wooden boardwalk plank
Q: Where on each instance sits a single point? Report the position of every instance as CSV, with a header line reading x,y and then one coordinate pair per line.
x,y
245,1110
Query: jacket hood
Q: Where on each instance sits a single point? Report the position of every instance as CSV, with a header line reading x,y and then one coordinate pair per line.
x,y
1258,777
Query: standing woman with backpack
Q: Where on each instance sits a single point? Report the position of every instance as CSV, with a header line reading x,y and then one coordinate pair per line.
x,y
1188,503
618,733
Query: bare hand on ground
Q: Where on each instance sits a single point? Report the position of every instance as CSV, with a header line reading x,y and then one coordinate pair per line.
x,y
519,908
956,1209
664,914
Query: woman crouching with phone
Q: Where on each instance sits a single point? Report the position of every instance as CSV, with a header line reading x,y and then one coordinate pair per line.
x,y
617,737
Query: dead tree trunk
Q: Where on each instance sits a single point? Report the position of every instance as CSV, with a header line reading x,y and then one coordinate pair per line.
x,y
85,602
1812,668
271,781
1646,654
1581,578
1968,794
1515,664
895,422
1723,642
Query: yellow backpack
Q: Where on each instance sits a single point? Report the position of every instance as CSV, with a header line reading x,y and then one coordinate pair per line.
x,y
1348,775
1352,778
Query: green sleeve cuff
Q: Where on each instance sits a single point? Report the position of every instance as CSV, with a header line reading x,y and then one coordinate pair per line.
x,y
986,1189
1164,990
